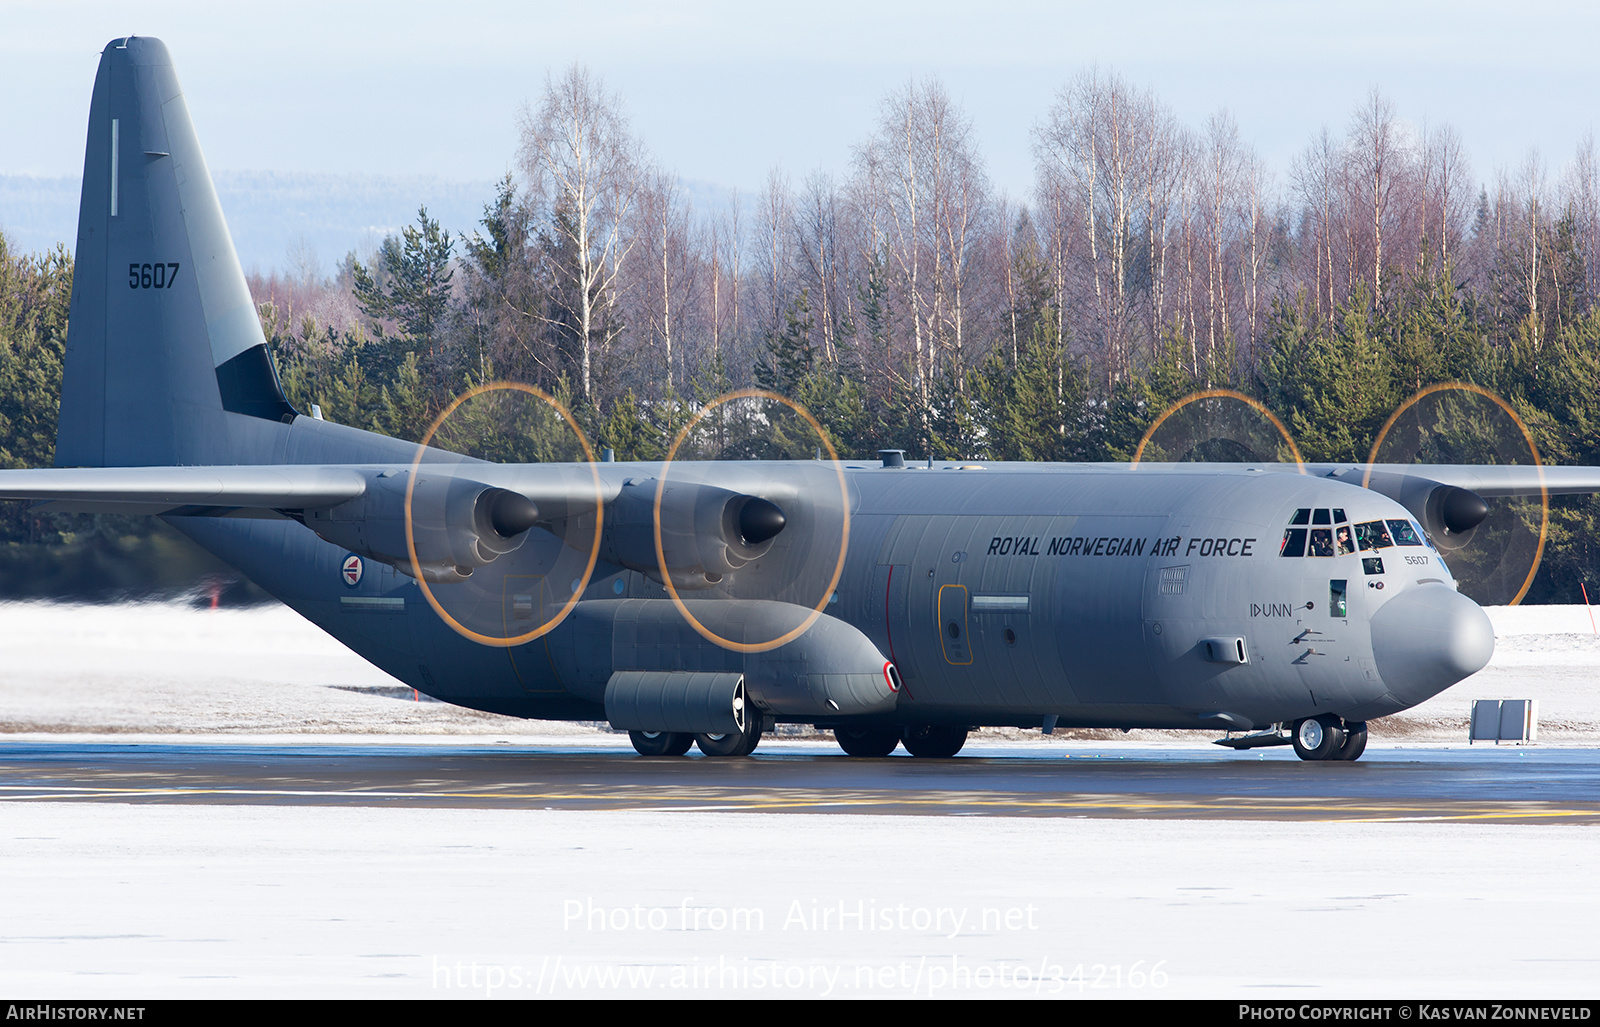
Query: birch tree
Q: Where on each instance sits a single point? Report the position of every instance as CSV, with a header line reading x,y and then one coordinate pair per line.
x,y
583,170
1380,153
665,295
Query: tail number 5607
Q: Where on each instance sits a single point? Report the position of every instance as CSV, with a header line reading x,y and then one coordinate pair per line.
x,y
152,276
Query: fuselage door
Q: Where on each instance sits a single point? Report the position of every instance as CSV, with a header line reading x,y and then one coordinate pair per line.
x,y
953,625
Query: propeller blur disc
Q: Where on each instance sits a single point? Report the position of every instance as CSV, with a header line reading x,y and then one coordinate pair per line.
x,y
797,521
1217,426
530,588
1496,556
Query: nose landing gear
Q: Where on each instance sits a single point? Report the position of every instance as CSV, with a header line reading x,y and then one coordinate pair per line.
x,y
1355,741
1329,738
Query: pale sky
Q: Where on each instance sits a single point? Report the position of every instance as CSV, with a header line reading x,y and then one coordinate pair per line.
x,y
723,91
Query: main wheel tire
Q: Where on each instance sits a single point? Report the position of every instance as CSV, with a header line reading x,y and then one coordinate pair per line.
x,y
867,741
660,743
1355,742
733,744
1318,738
934,741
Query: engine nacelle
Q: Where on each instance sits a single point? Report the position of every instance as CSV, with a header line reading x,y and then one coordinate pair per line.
x,y
457,524
707,532
1452,515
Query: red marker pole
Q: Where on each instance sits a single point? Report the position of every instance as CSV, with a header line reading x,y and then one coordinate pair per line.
x,y
1586,606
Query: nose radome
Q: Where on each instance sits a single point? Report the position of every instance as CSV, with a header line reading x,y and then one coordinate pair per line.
x,y
1427,638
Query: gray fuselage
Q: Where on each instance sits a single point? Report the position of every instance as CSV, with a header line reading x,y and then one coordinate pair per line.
x,y
1003,595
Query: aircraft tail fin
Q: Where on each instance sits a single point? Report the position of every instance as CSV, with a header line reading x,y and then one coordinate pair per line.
x,y
165,359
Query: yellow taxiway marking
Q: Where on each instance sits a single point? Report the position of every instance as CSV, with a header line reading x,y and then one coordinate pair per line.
x,y
646,799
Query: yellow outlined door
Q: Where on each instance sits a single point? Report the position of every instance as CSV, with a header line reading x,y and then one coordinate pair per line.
x,y
953,625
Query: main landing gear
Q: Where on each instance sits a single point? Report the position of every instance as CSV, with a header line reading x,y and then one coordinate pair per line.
x,y
737,743
1329,738
932,741
660,743
867,741
676,743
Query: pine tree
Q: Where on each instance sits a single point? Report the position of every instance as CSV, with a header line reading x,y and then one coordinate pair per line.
x,y
632,434
1332,384
35,296
503,297
409,288
35,299
790,355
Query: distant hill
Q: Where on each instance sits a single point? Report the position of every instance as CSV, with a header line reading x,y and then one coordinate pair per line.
x,y
277,218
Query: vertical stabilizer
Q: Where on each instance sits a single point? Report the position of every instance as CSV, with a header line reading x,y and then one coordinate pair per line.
x,y
164,350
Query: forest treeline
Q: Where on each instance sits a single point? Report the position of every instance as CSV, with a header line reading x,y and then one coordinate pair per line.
x,y
908,304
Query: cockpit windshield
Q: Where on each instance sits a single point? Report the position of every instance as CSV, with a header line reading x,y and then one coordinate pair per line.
x,y
1373,535
1303,537
1405,534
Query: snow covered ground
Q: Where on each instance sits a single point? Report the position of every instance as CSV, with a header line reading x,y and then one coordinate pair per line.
x,y
192,901
171,668
130,901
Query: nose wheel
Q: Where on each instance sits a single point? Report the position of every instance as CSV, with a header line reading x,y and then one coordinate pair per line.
x,y
1329,738
1355,741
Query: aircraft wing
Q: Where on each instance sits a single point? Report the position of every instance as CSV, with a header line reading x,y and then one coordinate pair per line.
x,y
261,489
186,490
1489,481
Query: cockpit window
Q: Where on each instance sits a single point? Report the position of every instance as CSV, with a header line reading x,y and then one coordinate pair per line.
x,y
1373,535
1404,534
1342,538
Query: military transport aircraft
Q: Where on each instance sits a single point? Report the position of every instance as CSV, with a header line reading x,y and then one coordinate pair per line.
x,y
702,603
